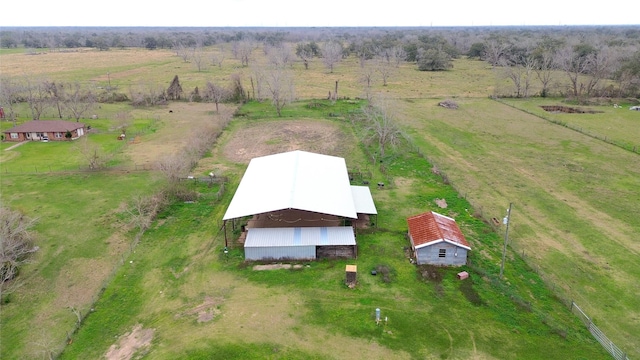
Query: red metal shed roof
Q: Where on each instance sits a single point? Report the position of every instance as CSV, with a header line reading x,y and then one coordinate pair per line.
x,y
46,126
431,227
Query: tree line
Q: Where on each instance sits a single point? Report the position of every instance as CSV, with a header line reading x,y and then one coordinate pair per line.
x,y
601,61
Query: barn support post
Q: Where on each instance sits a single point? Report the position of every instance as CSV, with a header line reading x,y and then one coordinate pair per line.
x,y
224,227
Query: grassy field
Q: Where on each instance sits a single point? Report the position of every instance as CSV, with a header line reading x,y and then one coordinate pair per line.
x,y
573,220
575,198
201,303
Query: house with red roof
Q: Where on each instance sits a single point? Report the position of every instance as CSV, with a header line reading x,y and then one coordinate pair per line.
x,y
437,240
51,130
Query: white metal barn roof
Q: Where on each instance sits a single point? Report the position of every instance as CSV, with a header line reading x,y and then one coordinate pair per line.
x,y
300,236
362,200
294,180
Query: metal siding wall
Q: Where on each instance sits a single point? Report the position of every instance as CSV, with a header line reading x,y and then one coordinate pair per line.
x,y
430,255
280,252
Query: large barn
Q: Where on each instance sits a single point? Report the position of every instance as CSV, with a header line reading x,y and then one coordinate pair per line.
x,y
299,205
437,240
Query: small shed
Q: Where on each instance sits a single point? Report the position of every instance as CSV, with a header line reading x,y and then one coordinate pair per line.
x,y
436,239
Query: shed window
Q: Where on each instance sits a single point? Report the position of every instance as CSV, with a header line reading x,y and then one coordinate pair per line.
x,y
443,253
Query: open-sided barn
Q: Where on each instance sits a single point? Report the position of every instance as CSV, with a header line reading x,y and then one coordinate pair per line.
x,y
299,205
437,240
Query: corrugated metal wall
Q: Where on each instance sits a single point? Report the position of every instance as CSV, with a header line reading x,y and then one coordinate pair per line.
x,y
280,252
431,255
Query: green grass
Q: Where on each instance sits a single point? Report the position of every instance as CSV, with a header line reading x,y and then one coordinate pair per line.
x,y
564,185
76,217
425,318
606,123
574,221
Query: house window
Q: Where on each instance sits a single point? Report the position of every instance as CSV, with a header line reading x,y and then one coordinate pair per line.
x,y
58,135
443,253
14,135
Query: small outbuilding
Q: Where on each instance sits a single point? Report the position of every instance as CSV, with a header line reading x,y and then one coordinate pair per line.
x,y
437,240
50,130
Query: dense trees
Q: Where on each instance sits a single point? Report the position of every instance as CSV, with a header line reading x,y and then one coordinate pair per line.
x,y
174,92
595,61
433,59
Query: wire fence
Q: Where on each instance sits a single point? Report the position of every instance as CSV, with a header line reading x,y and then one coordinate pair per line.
x,y
635,148
598,334
52,169
608,345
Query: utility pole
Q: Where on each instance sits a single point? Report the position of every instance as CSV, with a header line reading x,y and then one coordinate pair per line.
x,y
506,239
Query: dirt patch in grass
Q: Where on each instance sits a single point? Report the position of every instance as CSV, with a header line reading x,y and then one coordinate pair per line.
x,y
206,311
130,344
276,267
566,109
179,123
274,137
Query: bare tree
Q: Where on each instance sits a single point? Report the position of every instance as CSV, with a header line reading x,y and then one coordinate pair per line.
x,y
216,93
123,120
78,101
45,346
381,124
277,83
174,167
144,209
331,54
9,96
520,74
92,153
182,51
280,56
544,71
494,50
599,68
397,55
305,52
218,57
197,57
243,50
585,66
37,97
16,246
627,73
367,77
56,94
148,94
384,67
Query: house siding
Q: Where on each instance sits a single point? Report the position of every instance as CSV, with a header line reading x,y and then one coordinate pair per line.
x,y
431,255
36,135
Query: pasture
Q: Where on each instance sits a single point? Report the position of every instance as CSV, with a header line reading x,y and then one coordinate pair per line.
x,y
573,222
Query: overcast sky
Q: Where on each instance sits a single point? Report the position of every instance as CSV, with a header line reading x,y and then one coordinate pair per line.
x,y
281,13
